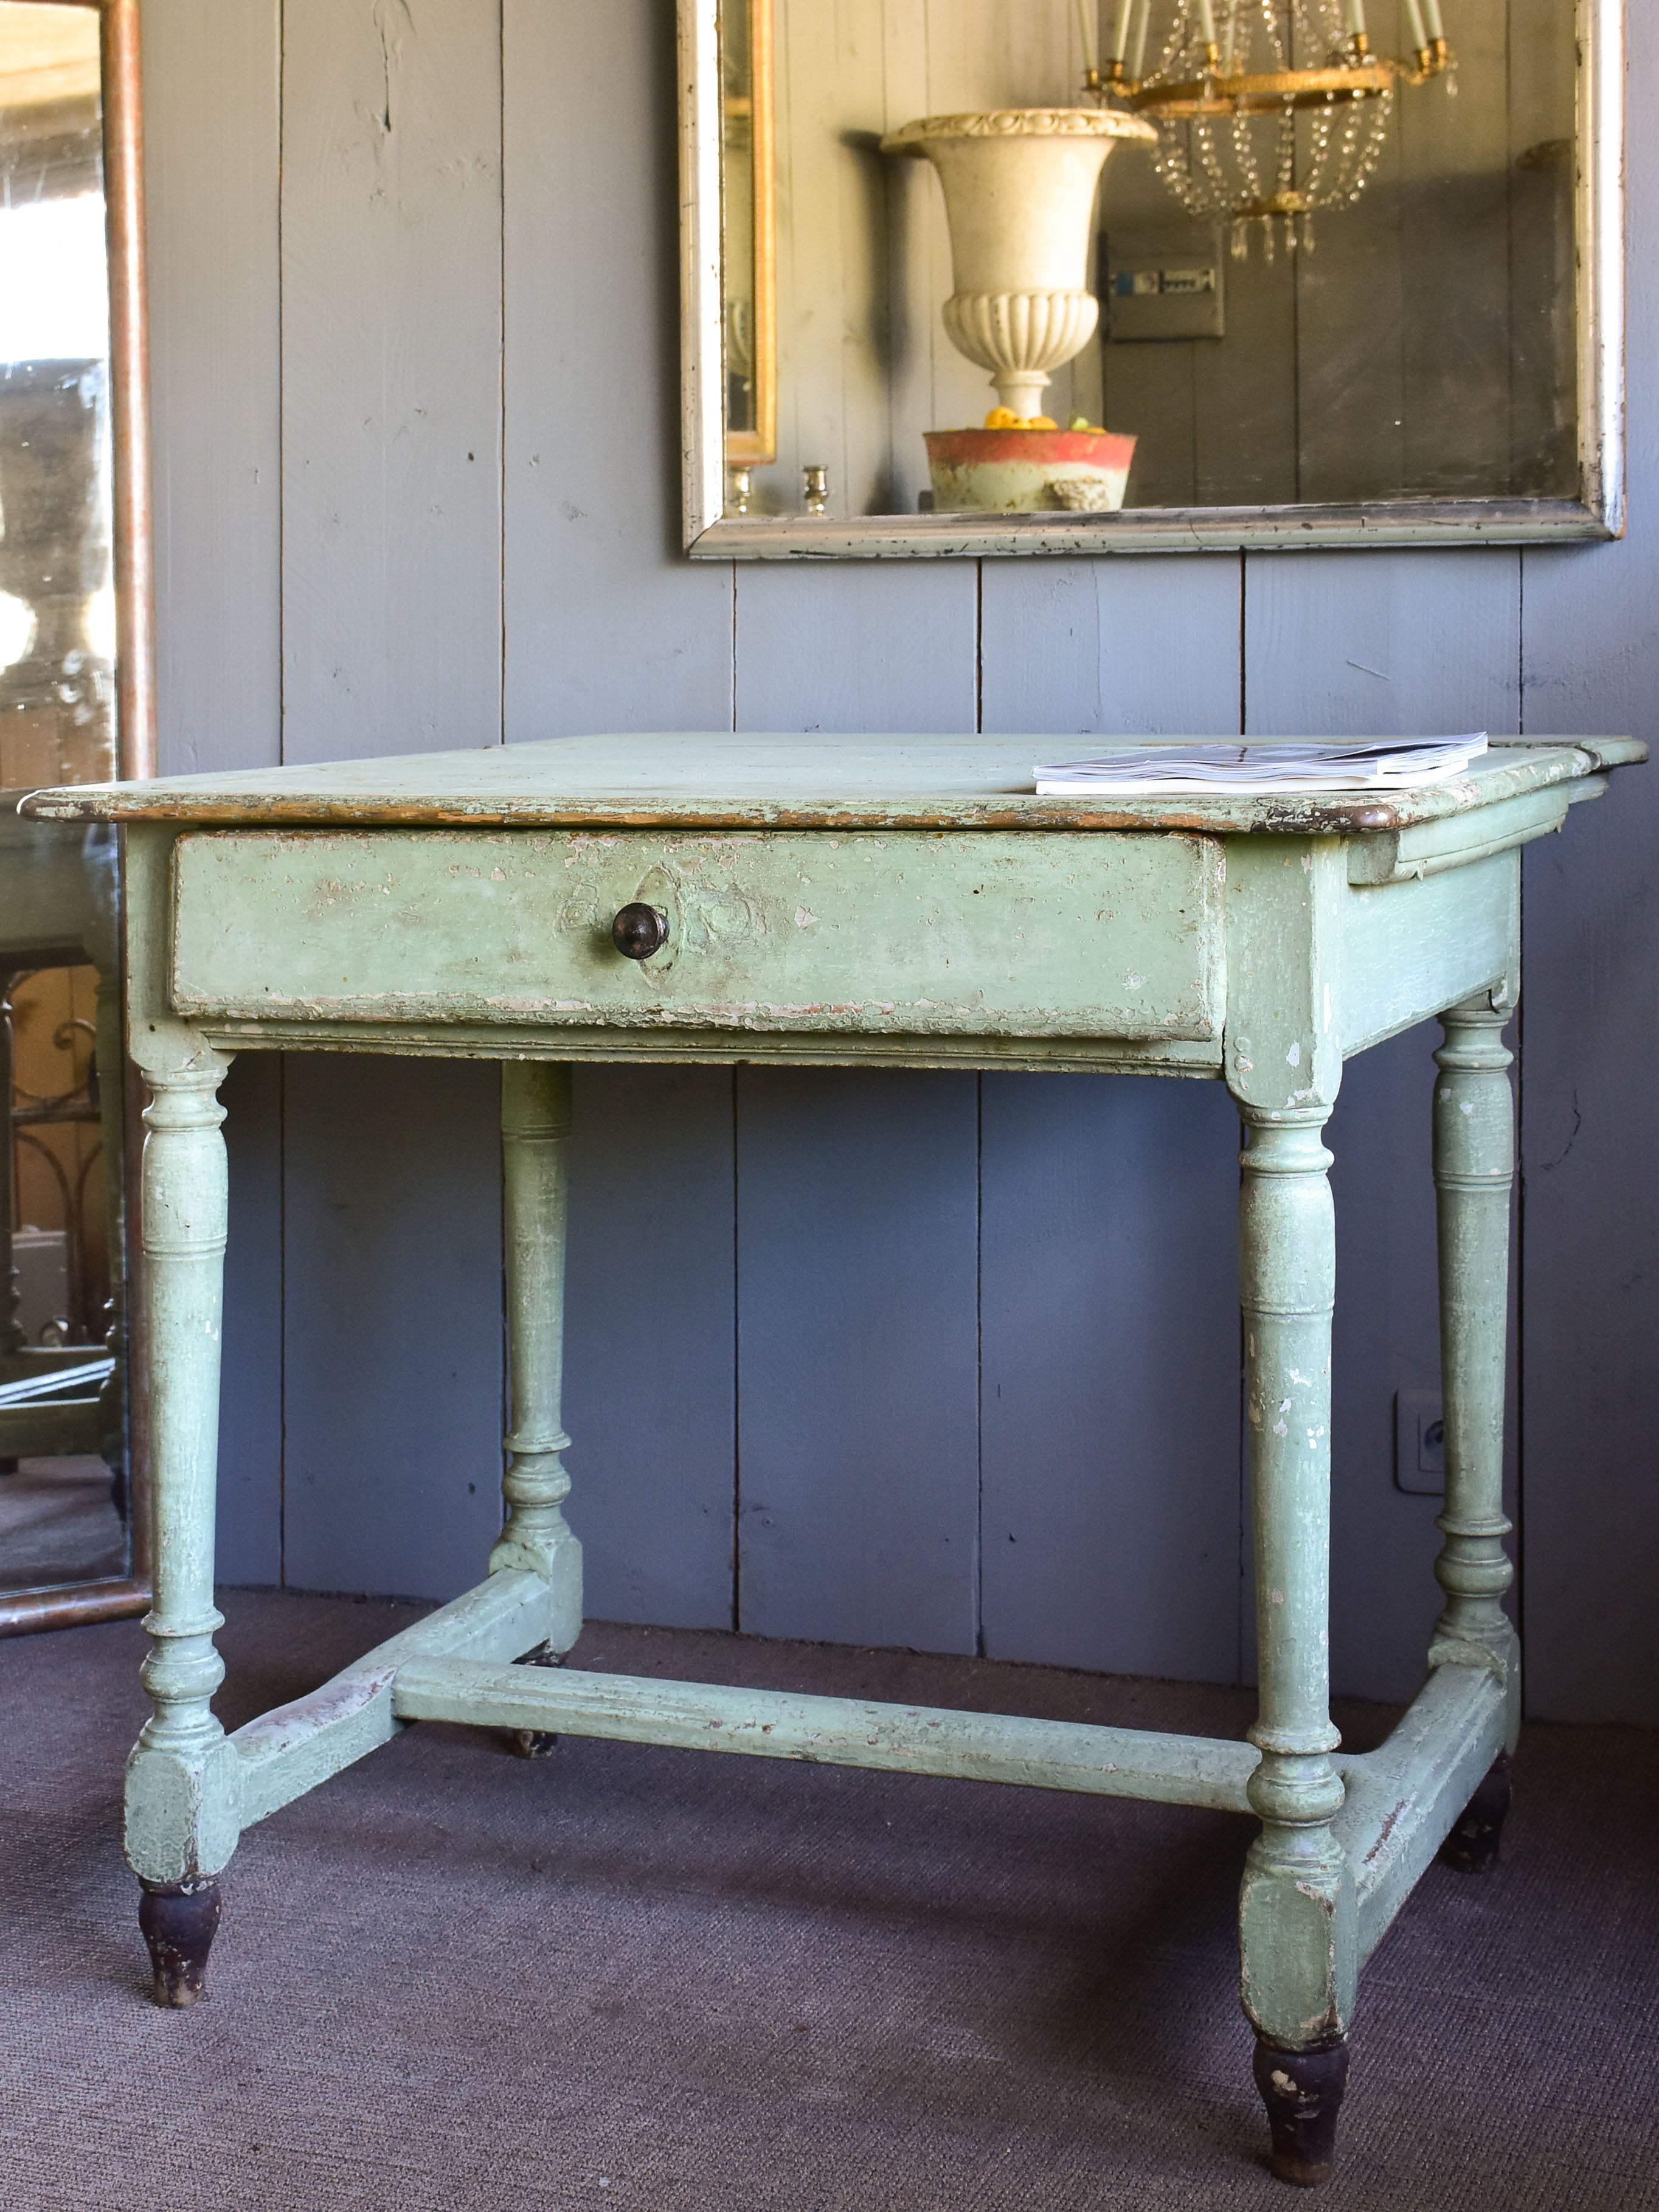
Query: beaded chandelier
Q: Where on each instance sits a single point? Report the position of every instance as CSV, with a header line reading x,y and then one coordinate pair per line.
x,y
1266,109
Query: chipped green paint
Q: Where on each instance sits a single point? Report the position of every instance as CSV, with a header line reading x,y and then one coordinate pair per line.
x,y
897,932
840,900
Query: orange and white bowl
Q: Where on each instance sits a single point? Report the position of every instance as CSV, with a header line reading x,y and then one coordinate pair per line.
x,y
1029,472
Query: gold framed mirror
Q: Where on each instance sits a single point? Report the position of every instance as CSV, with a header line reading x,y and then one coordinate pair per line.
x,y
748,236
77,705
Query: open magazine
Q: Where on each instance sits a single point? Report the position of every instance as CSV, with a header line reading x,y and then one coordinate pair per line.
x,y
1295,764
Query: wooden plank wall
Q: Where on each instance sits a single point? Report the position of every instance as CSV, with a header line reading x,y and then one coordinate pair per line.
x,y
935,1360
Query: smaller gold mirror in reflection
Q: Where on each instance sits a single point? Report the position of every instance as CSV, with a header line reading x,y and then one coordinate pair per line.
x,y
66,1528
56,600
748,235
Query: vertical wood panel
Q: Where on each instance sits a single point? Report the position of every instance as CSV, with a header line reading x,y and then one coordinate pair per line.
x,y
608,627
833,186
864,647
393,1304
250,1395
1109,1375
1456,219
1590,1013
857,1425
1108,1283
1382,644
392,369
919,261
212,100
211,96
391,379
1384,1598
1113,647
1349,324
651,1332
1591,1135
1349,644
858,1356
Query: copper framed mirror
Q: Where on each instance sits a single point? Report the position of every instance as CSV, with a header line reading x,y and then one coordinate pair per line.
x,y
77,705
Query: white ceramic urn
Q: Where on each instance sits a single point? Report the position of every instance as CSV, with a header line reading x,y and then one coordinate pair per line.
x,y
1019,189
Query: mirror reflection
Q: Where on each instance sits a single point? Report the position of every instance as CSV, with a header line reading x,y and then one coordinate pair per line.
x,y
1064,255
63,1446
749,237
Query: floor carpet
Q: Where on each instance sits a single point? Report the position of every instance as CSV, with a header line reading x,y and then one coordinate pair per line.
x,y
456,1981
58,1524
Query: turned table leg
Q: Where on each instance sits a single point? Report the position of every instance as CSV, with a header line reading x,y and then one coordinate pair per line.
x,y
1474,1175
535,1168
1297,1931
181,1822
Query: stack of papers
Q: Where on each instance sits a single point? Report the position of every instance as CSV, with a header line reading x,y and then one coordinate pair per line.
x,y
1301,764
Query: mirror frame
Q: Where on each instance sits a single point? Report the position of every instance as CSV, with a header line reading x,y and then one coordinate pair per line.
x,y
1598,512
70,1604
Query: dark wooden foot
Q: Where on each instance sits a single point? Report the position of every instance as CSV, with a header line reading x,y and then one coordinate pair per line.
x,y
1472,1847
536,1743
180,1921
1303,2092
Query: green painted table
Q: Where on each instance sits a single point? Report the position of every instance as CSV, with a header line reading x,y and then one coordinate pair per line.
x,y
840,900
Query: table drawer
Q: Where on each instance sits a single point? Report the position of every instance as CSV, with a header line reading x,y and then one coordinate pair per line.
x,y
908,933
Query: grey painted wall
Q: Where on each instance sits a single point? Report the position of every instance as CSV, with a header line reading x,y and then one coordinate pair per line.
x,y
940,1361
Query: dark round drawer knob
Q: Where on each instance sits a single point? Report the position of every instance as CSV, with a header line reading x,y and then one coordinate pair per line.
x,y
639,931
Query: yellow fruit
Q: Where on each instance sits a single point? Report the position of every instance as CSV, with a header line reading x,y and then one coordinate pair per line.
x,y
1002,418
1039,423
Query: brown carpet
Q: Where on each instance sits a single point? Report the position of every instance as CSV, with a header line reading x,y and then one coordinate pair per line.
x,y
58,1524
453,1980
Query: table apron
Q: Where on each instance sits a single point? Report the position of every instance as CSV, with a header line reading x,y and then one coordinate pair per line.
x,y
877,934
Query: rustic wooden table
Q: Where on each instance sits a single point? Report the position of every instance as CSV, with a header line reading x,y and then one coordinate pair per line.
x,y
837,900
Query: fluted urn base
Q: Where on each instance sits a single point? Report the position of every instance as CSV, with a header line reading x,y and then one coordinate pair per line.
x,y
1019,337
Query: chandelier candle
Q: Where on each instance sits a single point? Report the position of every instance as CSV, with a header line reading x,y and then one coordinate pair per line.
x,y
1086,29
1138,59
1120,46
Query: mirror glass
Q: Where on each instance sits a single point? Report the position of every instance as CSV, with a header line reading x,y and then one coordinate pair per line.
x,y
62,1442
1193,253
748,234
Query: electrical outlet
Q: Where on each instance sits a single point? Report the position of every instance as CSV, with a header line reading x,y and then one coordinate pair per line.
x,y
1419,1443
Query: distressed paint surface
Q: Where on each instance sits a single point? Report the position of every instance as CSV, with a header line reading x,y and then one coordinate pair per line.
x,y
1103,1762
1301,940
607,627
714,781
978,935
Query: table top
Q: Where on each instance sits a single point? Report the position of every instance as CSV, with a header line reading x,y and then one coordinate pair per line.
x,y
705,781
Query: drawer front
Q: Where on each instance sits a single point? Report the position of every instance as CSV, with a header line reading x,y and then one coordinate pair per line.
x,y
905,933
